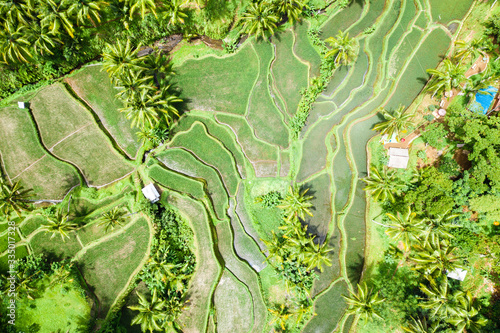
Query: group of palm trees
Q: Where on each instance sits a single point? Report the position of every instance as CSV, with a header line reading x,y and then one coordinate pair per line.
x,y
143,85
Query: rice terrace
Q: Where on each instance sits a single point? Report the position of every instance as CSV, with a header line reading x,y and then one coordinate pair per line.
x,y
250,166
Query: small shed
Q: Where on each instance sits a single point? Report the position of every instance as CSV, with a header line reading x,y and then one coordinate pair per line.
x,y
21,105
457,274
151,193
398,158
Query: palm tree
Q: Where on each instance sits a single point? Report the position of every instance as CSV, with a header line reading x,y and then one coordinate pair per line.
x,y
472,49
280,313
13,198
363,303
466,317
258,19
291,8
440,300
42,39
144,6
120,59
343,48
131,83
85,10
113,218
435,258
317,255
159,68
145,109
59,224
445,79
175,13
151,314
54,14
296,203
14,46
438,227
17,11
420,326
395,123
406,227
275,248
383,184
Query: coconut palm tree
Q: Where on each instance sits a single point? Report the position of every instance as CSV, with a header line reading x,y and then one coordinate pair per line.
x,y
59,224
290,8
120,59
143,6
275,248
42,40
396,122
114,218
20,11
471,49
258,19
451,75
13,198
280,313
296,203
435,259
406,227
420,326
343,48
383,184
158,68
133,82
317,255
440,299
466,317
151,313
363,304
85,10
438,227
54,15
175,13
14,46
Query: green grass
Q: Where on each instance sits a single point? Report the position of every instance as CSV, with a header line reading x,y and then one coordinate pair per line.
x,y
183,162
55,247
330,273
90,150
314,150
342,20
59,307
422,20
211,151
342,178
30,224
445,11
320,109
20,152
415,75
304,49
176,182
20,252
93,85
108,266
406,47
406,16
319,188
218,84
221,132
58,114
290,74
253,148
329,305
233,305
354,225
263,115
375,10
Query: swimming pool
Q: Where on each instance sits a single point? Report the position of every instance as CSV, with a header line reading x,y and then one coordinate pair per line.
x,y
484,98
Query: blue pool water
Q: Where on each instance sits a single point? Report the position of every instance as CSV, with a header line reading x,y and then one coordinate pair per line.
x,y
484,98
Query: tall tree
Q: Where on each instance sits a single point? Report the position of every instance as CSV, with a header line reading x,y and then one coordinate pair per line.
x,y
471,49
435,259
54,15
13,198
383,184
292,9
450,75
343,48
175,12
363,304
296,203
280,313
438,227
113,218
441,301
42,40
317,255
85,10
121,59
59,224
258,19
14,46
17,11
406,227
420,326
151,313
396,122
142,6
466,317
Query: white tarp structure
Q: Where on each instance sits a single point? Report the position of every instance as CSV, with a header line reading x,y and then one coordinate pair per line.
x,y
21,105
398,158
151,193
457,274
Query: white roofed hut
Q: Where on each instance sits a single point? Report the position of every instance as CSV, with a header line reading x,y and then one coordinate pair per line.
x,y
398,158
151,193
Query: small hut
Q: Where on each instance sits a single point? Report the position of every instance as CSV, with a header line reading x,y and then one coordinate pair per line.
x,y
151,193
398,158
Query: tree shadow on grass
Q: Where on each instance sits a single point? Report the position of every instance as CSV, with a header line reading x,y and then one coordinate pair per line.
x,y
355,269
